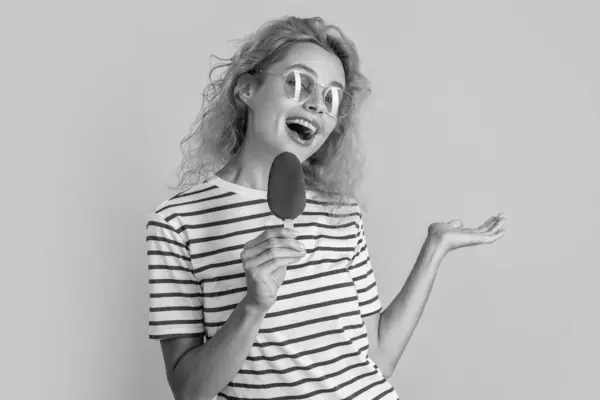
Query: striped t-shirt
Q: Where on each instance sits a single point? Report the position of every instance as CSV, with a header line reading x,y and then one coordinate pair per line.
x,y
312,343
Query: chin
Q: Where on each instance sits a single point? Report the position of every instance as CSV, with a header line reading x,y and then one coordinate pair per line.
x,y
289,141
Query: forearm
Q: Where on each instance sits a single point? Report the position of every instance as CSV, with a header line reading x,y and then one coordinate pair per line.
x,y
399,320
204,371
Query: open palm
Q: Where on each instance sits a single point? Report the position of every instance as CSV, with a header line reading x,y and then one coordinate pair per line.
x,y
452,235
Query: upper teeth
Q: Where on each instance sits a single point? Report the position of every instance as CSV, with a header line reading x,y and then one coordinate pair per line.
x,y
303,123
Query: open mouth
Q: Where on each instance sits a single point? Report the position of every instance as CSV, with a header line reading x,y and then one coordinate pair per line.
x,y
305,130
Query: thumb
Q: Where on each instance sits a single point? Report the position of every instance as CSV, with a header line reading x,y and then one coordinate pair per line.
x,y
455,223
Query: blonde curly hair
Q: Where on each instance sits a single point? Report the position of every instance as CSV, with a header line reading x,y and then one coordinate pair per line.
x,y
336,168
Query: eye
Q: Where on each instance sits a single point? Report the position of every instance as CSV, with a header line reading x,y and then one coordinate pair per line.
x,y
332,96
306,83
291,82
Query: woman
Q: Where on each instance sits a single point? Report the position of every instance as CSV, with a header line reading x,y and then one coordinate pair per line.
x,y
245,308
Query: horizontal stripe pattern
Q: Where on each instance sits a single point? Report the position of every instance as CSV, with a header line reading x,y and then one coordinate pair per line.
x,y
313,342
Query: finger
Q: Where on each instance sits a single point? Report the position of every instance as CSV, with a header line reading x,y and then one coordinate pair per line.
x,y
492,238
273,253
491,223
270,234
270,266
287,242
455,223
473,238
486,225
273,248
498,226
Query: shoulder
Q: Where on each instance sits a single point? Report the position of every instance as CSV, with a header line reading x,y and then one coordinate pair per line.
x,y
191,201
342,210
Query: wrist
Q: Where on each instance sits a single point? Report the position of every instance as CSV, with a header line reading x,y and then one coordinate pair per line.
x,y
251,309
434,245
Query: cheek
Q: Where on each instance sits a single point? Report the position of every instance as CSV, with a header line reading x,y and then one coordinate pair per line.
x,y
265,102
328,128
273,96
322,139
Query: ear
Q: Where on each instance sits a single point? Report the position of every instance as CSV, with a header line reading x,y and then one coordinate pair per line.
x,y
246,88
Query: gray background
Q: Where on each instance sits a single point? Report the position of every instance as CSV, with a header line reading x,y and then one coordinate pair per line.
x,y
478,107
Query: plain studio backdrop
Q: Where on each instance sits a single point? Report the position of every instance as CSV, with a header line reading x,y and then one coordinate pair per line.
x,y
477,108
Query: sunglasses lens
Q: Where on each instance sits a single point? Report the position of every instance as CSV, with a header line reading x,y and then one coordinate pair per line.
x,y
337,102
300,85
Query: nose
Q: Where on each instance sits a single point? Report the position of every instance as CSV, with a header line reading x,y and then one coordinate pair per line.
x,y
315,102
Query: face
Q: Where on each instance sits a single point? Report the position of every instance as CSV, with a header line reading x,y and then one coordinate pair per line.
x,y
278,123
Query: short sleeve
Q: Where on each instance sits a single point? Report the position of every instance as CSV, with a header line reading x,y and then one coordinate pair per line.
x,y
175,296
363,276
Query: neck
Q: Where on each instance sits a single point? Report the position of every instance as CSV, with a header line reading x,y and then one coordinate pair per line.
x,y
249,168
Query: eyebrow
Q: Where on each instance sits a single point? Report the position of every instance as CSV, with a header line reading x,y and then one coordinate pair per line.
x,y
312,71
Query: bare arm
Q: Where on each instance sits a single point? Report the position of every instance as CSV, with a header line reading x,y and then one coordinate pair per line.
x,y
199,371
399,320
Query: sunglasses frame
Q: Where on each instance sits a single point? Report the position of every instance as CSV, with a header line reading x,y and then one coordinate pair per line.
x,y
286,73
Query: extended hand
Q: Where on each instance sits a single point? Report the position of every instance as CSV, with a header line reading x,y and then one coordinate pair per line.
x,y
452,235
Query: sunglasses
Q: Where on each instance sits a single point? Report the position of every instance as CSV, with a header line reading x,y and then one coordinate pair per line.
x,y
300,85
